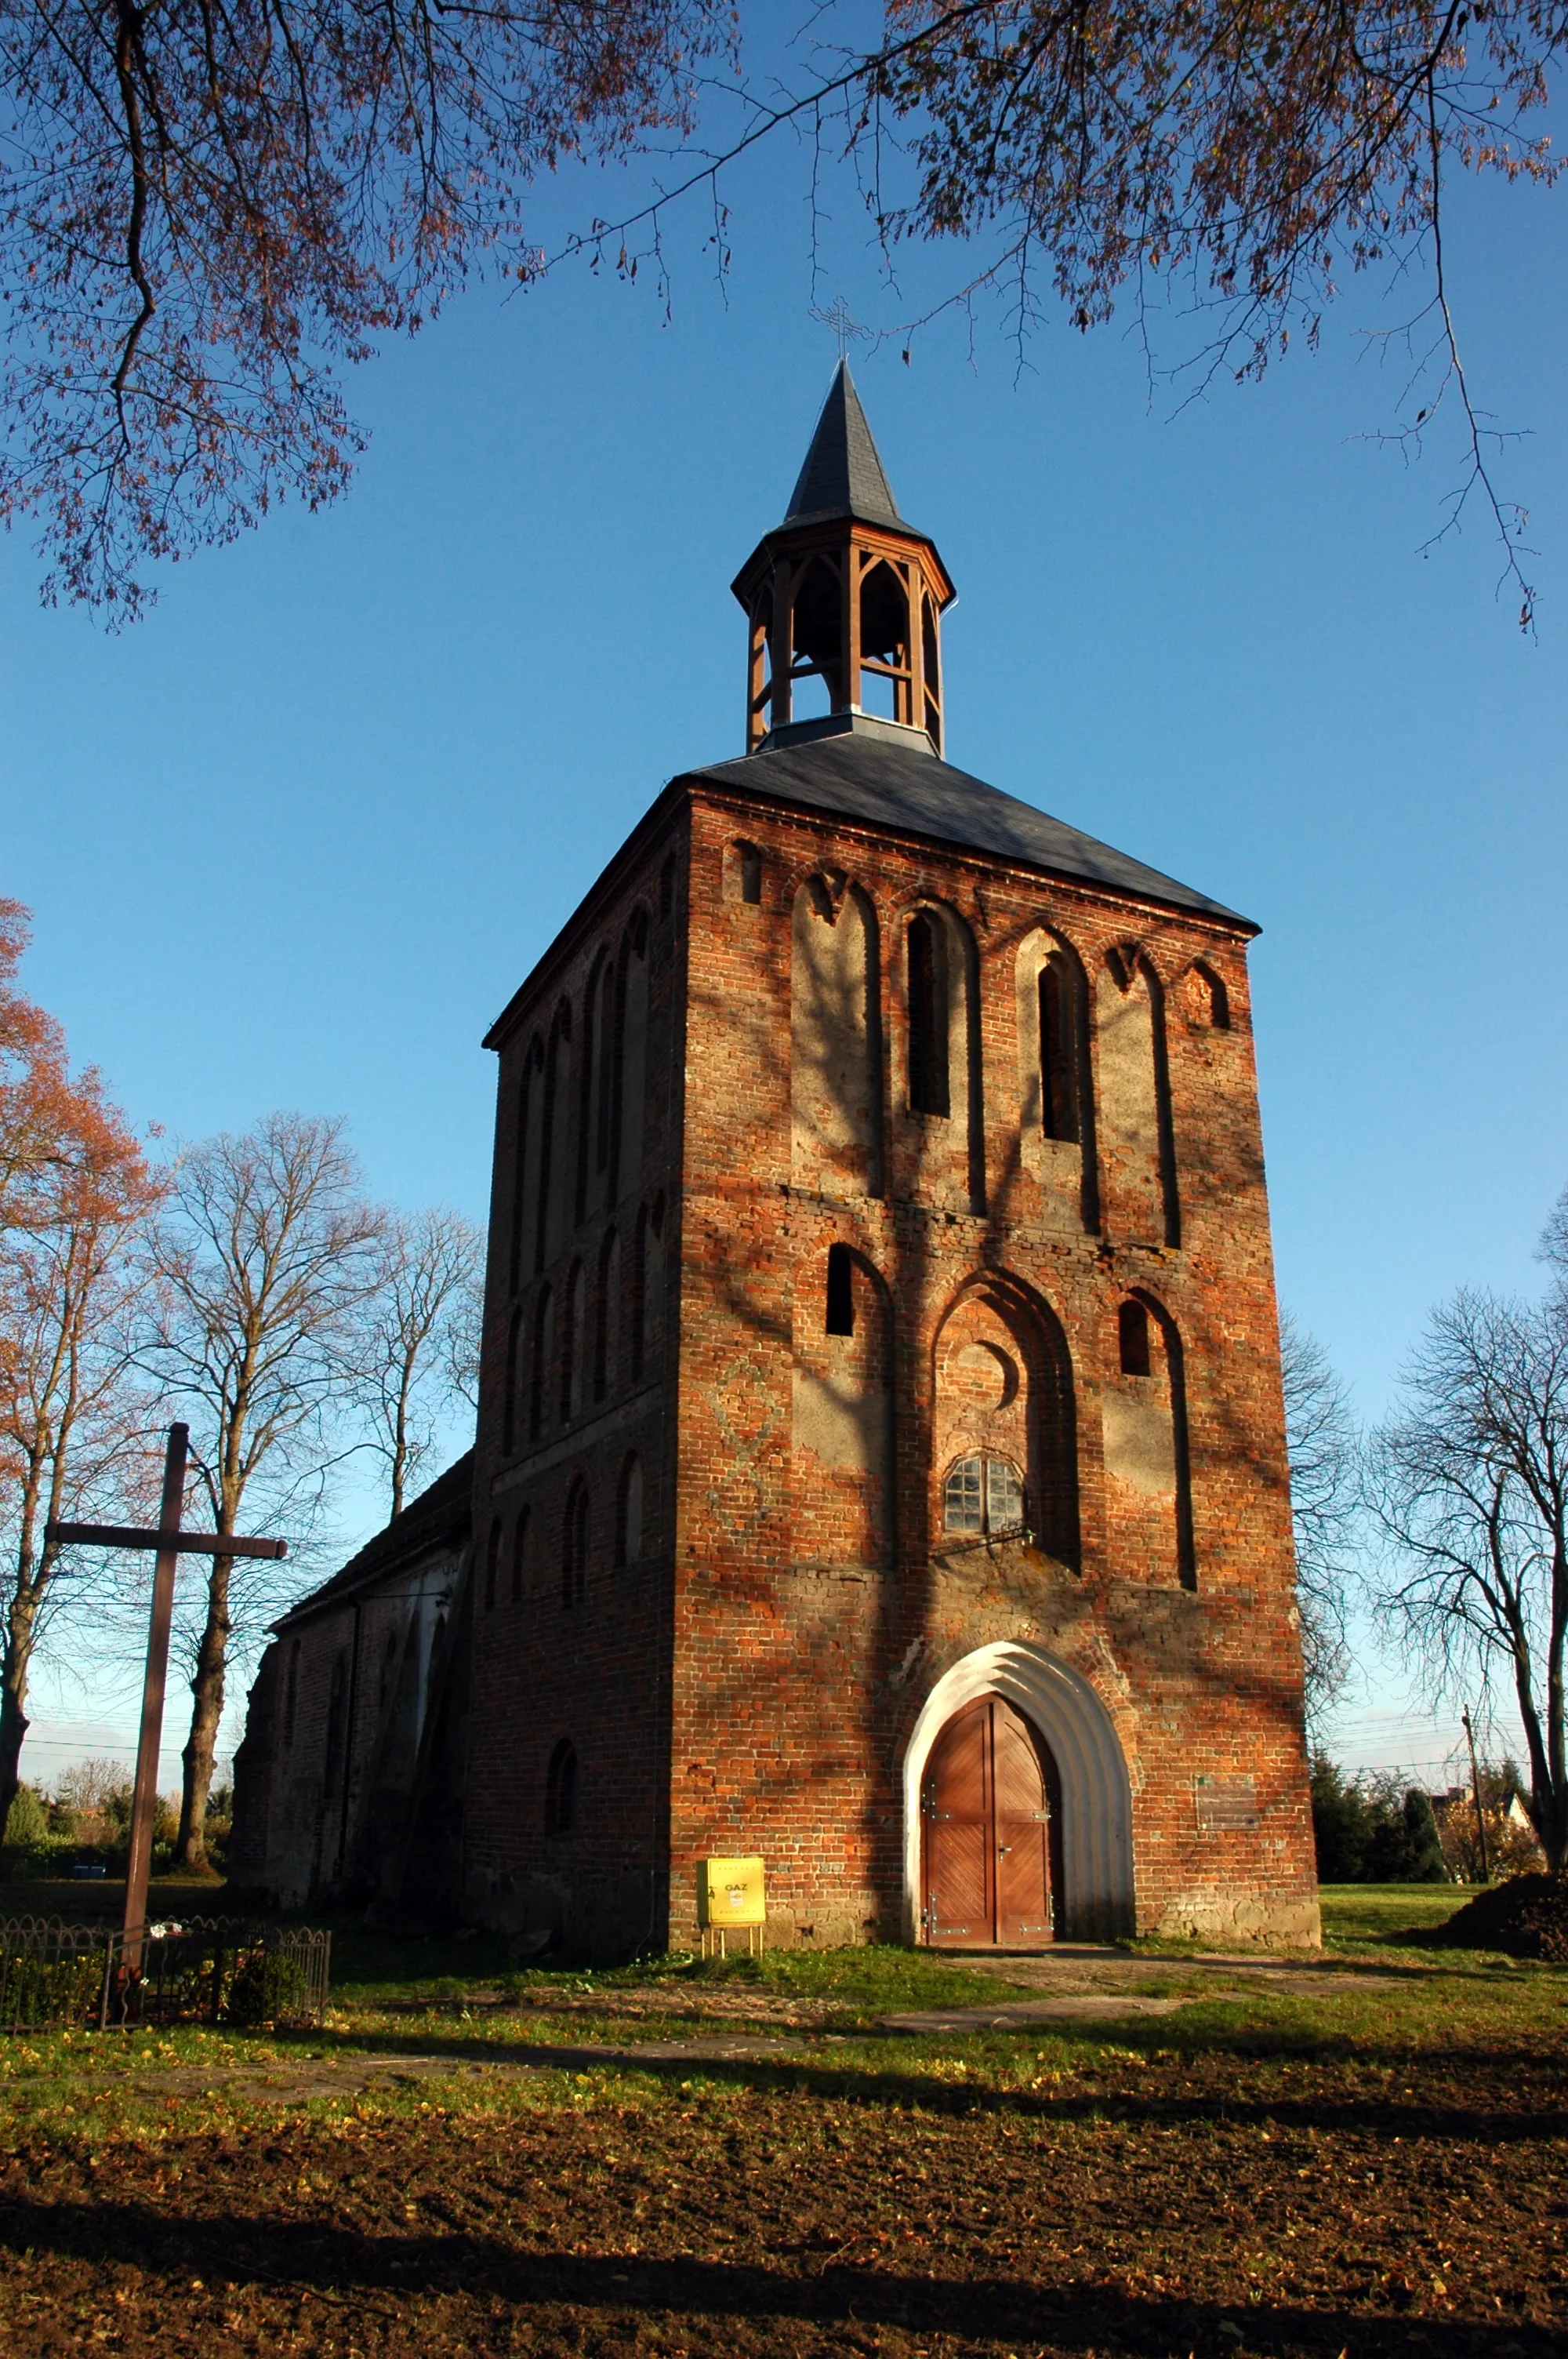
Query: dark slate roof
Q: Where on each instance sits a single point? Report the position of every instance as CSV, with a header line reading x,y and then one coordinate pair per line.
x,y
874,771
843,476
441,1516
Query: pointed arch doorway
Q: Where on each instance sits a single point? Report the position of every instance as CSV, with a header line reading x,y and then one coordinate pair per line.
x,y
990,1840
1092,1867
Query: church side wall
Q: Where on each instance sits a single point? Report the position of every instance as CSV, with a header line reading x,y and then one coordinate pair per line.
x,y
817,1597
328,1764
566,1839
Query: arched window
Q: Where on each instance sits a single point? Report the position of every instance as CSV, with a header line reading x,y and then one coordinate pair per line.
x,y
336,1714
539,1378
928,1014
983,1495
574,1546
596,1088
291,1693
556,1192
743,873
607,1318
647,1287
520,1536
932,670
887,669
492,1567
817,631
840,1291
1132,1336
632,1058
572,1338
513,1375
1209,998
560,1789
629,1513
526,1162
1058,1049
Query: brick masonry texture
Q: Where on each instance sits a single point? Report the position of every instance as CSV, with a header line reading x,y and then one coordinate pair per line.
x,y
747,1673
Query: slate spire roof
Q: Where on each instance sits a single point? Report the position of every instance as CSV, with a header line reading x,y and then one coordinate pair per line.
x,y
843,476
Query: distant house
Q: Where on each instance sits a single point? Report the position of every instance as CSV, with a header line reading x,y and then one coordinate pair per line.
x,y
1512,1842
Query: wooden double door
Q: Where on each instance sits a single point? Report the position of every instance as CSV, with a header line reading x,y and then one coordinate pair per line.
x,y
989,1825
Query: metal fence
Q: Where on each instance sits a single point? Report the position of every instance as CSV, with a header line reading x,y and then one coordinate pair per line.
x,y
202,1969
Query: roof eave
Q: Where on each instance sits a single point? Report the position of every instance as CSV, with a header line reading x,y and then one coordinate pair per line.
x,y
1215,914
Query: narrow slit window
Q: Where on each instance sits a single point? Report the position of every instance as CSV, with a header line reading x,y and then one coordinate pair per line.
x,y
927,1015
840,1291
492,1567
1132,1325
574,1548
560,1789
1058,1052
750,873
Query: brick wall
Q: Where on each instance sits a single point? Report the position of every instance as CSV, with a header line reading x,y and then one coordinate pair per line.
x,y
749,1680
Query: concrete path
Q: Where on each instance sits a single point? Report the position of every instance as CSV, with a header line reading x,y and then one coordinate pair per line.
x,y
1071,2006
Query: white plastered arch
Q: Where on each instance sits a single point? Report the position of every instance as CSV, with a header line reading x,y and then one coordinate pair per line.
x,y
1096,1800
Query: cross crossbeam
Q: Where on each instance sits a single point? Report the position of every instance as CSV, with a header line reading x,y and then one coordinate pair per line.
x,y
129,1536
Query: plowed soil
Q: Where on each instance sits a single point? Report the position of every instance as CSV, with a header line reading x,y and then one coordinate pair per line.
x,y
1161,2204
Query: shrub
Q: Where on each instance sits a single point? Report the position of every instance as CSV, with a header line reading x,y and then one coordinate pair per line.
x,y
1367,1831
28,1822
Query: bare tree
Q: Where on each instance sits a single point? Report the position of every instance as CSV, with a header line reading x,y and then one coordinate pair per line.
x,y
1470,1481
204,210
1554,1246
1321,1442
263,1269
416,1338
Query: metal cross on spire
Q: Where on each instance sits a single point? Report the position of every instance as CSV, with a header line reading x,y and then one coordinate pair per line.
x,y
838,317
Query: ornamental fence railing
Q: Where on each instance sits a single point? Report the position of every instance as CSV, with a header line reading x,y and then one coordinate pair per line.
x,y
201,1970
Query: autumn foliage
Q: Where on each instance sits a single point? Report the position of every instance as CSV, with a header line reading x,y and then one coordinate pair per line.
x,y
77,1189
207,211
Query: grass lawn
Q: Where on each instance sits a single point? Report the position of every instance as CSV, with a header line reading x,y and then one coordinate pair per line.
x,y
1368,2158
1358,1913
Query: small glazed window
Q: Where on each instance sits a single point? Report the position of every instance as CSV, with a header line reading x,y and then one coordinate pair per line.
x,y
983,1496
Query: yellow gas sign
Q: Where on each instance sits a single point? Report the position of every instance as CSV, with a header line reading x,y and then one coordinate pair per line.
x,y
731,1892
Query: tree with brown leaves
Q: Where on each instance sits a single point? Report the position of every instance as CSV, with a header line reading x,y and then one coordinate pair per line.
x,y
77,1192
206,207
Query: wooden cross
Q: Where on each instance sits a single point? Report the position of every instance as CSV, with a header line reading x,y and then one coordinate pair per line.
x,y
170,1543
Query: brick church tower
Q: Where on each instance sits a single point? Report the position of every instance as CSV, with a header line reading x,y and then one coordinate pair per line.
x,y
881,1461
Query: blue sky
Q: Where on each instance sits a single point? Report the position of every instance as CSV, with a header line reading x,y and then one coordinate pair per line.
x,y
294,840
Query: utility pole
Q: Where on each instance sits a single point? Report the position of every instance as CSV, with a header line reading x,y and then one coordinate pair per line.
x,y
170,1544
1476,1791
